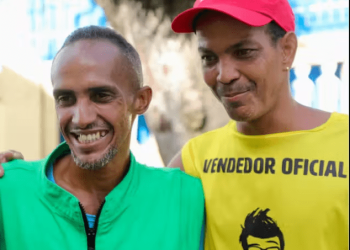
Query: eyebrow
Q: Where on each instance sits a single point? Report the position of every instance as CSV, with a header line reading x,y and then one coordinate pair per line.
x,y
103,89
58,92
230,48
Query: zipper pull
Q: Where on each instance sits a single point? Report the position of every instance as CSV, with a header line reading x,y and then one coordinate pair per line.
x,y
91,232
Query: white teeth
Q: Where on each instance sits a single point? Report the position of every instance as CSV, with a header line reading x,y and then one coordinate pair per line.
x,y
90,137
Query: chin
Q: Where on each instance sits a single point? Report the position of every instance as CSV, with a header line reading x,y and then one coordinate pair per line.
x,y
241,114
95,163
240,118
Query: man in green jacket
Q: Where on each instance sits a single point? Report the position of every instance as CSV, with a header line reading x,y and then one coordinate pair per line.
x,y
90,193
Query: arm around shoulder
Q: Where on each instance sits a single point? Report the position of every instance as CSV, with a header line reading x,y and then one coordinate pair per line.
x,y
8,156
176,162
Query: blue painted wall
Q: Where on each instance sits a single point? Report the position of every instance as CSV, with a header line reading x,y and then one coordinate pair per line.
x,y
54,20
312,16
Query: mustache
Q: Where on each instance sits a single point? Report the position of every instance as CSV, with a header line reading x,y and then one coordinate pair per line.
x,y
229,89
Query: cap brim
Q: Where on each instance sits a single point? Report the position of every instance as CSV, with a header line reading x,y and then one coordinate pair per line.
x,y
183,23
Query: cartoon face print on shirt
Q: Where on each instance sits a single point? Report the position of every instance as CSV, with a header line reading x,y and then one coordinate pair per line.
x,y
260,232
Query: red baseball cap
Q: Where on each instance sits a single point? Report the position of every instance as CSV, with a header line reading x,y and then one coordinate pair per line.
x,y
252,12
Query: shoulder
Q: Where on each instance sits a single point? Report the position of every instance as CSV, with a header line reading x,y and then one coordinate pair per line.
x,y
167,174
20,170
172,178
22,166
198,147
210,136
180,193
338,123
206,142
316,120
343,118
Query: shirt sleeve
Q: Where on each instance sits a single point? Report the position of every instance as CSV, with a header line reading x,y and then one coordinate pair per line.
x,y
201,243
188,159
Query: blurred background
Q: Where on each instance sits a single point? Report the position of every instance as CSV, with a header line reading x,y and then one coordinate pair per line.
x,y
32,31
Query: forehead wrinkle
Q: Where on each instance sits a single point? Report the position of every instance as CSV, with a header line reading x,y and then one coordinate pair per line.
x,y
85,52
240,44
226,39
211,20
90,86
90,52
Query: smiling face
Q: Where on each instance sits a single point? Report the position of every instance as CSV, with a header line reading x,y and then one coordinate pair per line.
x,y
241,65
94,98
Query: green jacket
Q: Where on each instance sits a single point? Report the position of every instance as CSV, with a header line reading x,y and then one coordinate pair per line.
x,y
151,209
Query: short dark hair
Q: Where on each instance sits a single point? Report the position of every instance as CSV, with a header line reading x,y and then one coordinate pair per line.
x,y
104,33
260,226
275,31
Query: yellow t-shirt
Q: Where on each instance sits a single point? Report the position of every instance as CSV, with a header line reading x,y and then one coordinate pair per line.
x,y
272,190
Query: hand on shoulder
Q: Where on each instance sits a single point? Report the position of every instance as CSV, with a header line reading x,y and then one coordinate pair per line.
x,y
176,162
8,156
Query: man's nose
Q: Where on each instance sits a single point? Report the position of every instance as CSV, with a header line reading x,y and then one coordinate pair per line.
x,y
227,71
83,114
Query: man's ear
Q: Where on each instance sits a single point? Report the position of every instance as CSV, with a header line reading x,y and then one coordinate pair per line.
x,y
142,99
289,44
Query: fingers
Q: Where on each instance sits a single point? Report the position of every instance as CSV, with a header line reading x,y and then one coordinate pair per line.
x,y
8,156
16,155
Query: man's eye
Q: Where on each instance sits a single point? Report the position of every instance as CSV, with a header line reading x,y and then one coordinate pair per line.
x,y
244,52
102,97
64,100
208,59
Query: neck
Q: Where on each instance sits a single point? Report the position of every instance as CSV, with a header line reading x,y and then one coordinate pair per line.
x,y
287,115
268,124
91,186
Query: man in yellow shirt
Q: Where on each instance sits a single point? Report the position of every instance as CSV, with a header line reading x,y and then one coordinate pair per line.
x,y
275,156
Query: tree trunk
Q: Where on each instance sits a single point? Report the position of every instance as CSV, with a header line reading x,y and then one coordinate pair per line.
x,y
182,106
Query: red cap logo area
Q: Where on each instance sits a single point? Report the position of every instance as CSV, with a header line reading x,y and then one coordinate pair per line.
x,y
252,12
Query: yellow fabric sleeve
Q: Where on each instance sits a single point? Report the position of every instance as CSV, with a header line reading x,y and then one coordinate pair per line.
x,y
188,160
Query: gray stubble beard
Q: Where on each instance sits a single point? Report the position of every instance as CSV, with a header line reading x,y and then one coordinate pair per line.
x,y
96,165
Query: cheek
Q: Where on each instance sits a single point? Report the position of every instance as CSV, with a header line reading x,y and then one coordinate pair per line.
x,y
264,75
122,129
209,76
125,121
118,116
63,117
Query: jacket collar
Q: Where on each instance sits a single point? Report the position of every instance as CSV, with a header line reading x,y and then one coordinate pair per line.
x,y
67,205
